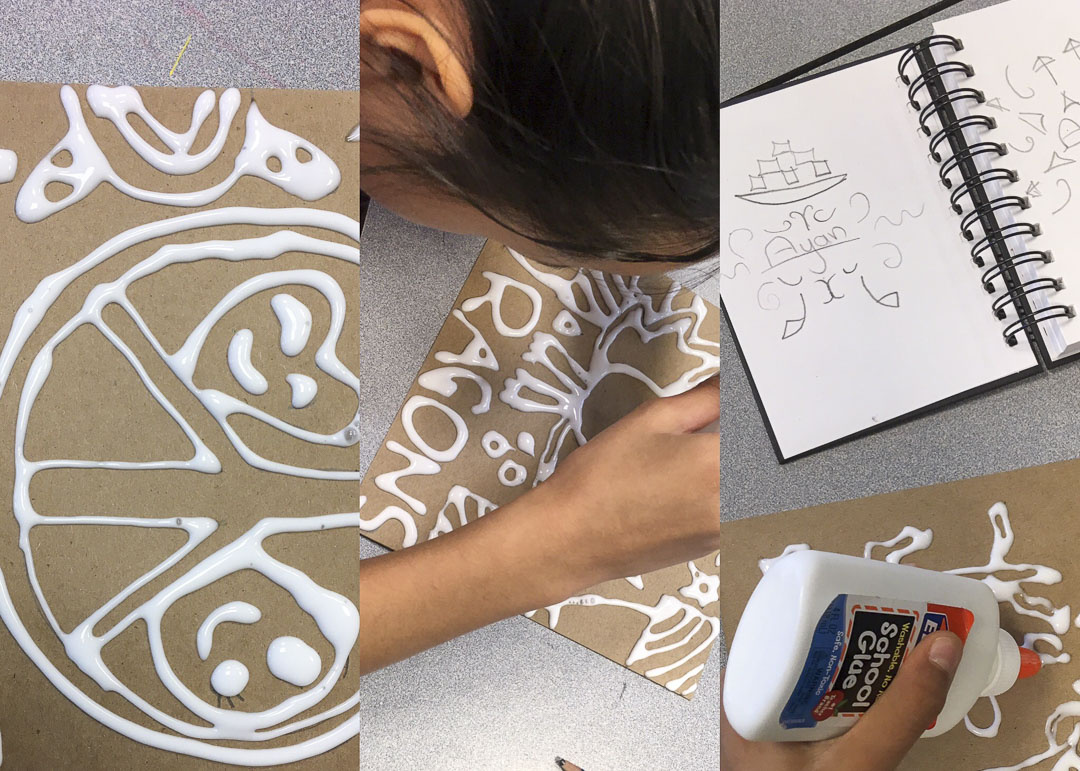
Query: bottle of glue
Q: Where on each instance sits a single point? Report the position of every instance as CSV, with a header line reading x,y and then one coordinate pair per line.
x,y
824,635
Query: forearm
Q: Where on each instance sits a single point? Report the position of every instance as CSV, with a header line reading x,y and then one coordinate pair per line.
x,y
498,566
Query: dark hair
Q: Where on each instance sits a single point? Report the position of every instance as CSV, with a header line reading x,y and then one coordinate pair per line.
x,y
594,128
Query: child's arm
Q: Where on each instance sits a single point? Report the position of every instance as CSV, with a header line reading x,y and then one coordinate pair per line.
x,y
642,495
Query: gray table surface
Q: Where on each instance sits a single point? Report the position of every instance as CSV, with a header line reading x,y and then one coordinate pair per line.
x,y
512,696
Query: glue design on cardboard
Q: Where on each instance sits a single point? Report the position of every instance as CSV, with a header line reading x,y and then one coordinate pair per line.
x,y
507,391
269,153
307,172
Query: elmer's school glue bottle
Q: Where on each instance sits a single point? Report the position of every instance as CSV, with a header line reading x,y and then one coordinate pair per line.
x,y
824,635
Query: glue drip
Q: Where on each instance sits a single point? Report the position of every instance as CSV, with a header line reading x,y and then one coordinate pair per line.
x,y
310,180
335,616
1010,591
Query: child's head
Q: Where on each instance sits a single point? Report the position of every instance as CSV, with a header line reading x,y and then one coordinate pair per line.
x,y
577,131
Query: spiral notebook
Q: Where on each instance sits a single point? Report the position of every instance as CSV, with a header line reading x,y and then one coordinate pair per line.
x,y
901,233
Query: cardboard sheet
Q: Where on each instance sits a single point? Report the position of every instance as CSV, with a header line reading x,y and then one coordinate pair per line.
x,y
523,349
1045,527
94,406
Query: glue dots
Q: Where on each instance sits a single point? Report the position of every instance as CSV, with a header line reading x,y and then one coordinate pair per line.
x,y
824,635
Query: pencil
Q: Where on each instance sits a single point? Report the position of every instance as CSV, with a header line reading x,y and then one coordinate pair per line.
x,y
566,765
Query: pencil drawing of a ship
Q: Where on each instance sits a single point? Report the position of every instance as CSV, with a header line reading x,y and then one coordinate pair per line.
x,y
790,176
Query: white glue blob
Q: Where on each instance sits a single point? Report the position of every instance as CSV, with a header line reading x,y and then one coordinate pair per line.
x,y
566,324
9,164
526,443
1011,590
304,389
238,612
1052,640
229,678
294,661
240,364
295,320
495,444
512,473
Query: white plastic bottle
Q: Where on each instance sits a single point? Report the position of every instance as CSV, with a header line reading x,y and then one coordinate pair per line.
x,y
823,635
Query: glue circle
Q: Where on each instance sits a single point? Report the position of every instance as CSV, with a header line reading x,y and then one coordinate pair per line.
x,y
229,678
511,474
495,444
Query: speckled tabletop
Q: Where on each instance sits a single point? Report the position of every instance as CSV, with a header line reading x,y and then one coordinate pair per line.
x,y
512,696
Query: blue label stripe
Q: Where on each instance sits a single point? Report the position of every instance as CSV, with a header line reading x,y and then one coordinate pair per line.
x,y
822,661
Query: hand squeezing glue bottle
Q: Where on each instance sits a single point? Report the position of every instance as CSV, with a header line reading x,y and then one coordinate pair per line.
x,y
824,635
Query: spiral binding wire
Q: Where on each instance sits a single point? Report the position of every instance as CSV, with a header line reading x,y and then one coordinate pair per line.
x,y
974,186
997,270
998,204
951,130
1000,237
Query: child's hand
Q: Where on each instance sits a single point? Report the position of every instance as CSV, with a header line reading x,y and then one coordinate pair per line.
x,y
642,495
880,739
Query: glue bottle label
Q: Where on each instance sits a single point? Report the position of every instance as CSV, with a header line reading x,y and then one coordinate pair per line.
x,y
857,648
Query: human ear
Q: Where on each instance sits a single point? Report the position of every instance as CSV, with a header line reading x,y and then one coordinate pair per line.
x,y
410,33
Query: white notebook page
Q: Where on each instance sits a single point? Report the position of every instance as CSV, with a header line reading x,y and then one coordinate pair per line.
x,y
1026,55
844,274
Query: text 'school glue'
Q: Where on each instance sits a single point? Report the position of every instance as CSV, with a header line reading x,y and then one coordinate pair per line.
x,y
825,634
